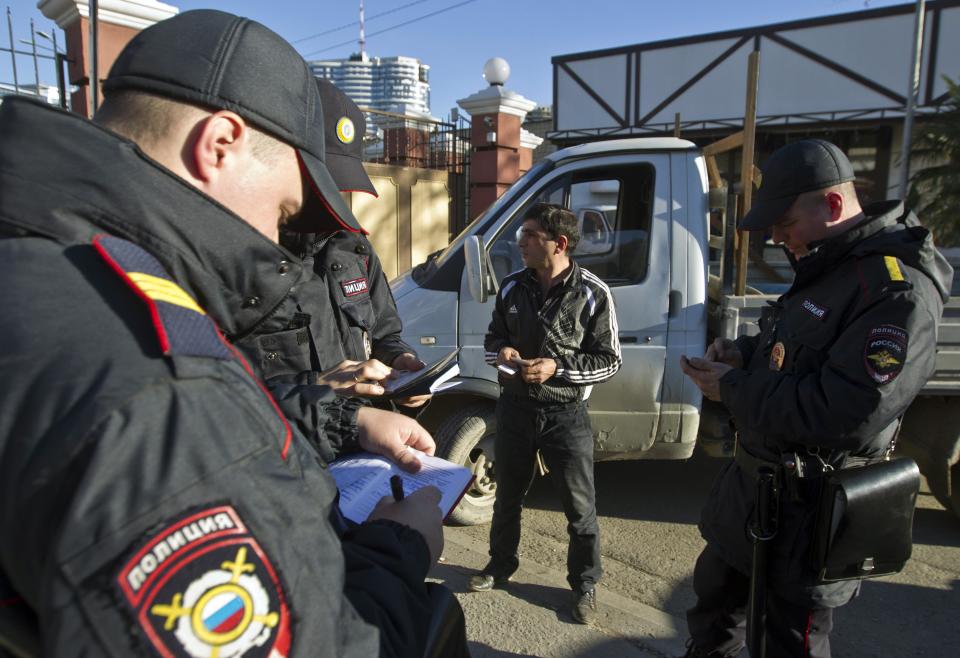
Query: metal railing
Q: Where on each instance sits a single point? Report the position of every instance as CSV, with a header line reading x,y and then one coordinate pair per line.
x,y
417,141
46,56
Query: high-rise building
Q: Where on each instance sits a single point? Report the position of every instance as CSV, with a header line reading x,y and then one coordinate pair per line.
x,y
389,84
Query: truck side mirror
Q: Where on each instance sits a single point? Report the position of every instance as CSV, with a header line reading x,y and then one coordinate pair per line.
x,y
476,267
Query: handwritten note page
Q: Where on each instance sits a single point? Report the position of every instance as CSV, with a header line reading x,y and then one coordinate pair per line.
x,y
364,479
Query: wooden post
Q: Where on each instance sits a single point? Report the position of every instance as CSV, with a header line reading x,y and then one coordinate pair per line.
x,y
746,168
676,124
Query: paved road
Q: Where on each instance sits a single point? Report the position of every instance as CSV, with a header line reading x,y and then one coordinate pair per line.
x,y
650,541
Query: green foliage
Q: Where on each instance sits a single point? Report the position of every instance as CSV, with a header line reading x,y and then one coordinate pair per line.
x,y
935,189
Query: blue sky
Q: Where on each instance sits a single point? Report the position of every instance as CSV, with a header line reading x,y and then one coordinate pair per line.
x,y
459,39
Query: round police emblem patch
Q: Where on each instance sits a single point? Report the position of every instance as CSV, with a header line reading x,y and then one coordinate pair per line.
x,y
885,352
214,594
777,354
345,130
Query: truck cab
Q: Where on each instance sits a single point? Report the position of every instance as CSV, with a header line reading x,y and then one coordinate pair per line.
x,y
642,208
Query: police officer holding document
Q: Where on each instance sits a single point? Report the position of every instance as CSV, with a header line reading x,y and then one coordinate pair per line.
x,y
155,502
353,320
553,336
820,390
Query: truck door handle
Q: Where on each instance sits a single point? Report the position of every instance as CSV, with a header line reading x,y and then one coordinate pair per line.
x,y
627,339
675,303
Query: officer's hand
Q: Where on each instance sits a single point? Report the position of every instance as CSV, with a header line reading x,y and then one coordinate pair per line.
x,y
420,511
724,350
389,434
361,378
537,371
705,374
407,361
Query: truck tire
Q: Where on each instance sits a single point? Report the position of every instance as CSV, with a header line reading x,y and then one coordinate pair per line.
x,y
467,438
931,435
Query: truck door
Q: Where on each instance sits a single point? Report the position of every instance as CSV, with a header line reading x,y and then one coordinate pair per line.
x,y
623,202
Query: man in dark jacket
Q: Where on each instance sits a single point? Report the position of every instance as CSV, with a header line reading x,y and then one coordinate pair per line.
x,y
354,329
838,359
553,336
155,501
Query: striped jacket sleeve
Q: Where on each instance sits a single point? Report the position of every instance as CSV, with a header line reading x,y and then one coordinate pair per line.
x,y
599,358
497,336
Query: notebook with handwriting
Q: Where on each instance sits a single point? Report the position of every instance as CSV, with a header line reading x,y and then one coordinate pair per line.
x,y
364,478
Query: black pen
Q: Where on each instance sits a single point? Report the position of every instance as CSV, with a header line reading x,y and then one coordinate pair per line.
x,y
396,486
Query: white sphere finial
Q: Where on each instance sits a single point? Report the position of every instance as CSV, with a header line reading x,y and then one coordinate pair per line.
x,y
496,71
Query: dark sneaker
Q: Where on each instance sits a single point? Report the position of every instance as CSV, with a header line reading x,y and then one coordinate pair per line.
x,y
483,581
585,606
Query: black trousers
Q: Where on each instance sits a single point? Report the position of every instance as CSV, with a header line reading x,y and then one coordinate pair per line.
x,y
718,622
562,434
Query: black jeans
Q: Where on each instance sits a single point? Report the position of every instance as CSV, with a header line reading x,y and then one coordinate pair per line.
x,y
718,622
562,434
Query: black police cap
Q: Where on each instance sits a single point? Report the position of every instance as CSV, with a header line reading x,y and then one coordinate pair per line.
x,y
804,166
344,126
217,60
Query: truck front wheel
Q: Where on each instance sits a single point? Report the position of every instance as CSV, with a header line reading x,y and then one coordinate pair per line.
x,y
467,438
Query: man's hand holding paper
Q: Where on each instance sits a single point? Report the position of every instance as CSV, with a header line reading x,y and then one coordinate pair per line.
x,y
391,435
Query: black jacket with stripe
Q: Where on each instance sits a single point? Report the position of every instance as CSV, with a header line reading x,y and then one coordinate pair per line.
x,y
115,441
575,324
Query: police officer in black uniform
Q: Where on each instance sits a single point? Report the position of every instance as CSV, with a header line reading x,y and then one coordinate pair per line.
x,y
838,359
345,325
154,500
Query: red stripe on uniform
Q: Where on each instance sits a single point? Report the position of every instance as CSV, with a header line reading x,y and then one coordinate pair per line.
x,y
283,419
806,635
154,311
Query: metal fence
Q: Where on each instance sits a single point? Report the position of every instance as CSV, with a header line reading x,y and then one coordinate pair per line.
x,y
417,141
35,66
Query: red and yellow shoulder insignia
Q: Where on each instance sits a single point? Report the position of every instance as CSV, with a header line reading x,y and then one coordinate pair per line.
x,y
182,327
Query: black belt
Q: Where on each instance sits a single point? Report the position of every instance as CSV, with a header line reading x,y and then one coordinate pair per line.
x,y
750,464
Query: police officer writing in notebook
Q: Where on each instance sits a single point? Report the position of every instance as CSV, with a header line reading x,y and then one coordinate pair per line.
x,y
838,359
155,501
354,320
554,336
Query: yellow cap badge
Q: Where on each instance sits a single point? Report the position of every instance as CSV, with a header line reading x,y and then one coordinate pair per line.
x,y
777,355
345,130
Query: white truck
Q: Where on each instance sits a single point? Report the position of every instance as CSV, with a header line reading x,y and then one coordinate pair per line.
x,y
644,210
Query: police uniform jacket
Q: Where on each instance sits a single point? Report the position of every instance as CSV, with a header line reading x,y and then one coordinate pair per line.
x,y
839,358
575,324
153,498
359,318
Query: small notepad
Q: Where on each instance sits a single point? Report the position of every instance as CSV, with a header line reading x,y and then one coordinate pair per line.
x,y
363,479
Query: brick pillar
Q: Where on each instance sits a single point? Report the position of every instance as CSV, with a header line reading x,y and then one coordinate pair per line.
x,y
495,162
119,21
528,142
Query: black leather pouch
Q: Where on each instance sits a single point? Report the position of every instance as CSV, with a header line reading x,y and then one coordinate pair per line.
x,y
865,521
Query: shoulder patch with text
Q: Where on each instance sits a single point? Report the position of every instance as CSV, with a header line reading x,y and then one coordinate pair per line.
x,y
202,587
885,352
819,311
354,287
